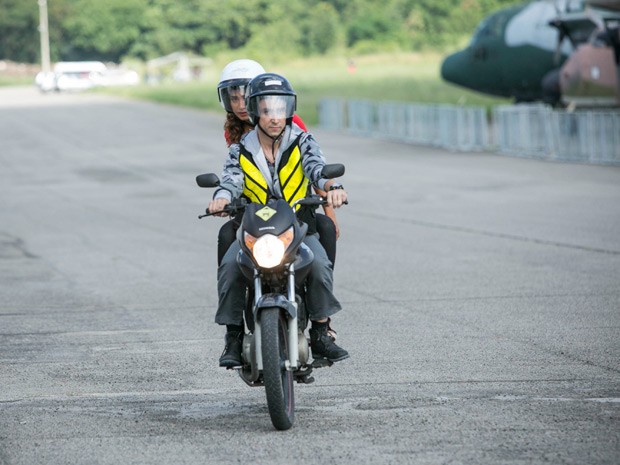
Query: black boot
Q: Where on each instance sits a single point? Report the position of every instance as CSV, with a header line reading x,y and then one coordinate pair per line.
x,y
231,357
323,345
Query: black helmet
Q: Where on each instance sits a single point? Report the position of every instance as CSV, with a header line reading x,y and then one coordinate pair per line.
x,y
265,86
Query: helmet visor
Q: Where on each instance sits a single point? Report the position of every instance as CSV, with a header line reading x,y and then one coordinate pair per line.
x,y
272,106
234,93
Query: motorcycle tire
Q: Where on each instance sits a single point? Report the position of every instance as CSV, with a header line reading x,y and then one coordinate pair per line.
x,y
278,380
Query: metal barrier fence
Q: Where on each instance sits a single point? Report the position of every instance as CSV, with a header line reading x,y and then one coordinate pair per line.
x,y
534,131
447,126
537,131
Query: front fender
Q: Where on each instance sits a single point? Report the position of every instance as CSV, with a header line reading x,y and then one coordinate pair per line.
x,y
275,300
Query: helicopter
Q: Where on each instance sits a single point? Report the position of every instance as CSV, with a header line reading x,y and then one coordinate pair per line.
x,y
562,52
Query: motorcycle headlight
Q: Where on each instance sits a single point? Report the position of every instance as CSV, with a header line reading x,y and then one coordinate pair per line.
x,y
268,250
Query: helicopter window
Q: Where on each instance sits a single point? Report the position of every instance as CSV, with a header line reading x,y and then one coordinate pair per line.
x,y
491,27
480,53
481,31
498,24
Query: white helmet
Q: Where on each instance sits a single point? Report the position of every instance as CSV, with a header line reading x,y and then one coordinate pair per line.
x,y
235,76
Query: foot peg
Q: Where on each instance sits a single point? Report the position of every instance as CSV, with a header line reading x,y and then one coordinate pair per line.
x,y
321,362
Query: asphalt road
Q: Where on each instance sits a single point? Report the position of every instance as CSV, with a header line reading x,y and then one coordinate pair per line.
x,y
481,296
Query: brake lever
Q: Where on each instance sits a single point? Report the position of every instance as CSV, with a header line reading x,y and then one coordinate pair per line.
x,y
205,215
230,209
211,214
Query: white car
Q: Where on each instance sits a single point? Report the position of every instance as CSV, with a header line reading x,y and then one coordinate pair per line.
x,y
83,75
116,77
45,81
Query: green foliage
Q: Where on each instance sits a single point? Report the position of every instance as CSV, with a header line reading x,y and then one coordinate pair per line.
x,y
319,29
117,27
112,30
368,27
19,35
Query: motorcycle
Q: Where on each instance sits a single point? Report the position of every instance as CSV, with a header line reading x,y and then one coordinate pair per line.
x,y
275,262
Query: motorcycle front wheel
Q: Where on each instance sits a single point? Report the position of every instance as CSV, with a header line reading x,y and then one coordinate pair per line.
x,y
278,380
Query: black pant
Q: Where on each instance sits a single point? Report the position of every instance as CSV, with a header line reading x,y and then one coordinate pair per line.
x,y
324,226
327,236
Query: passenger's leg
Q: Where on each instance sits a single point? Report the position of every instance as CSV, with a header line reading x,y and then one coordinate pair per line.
x,y
225,238
327,235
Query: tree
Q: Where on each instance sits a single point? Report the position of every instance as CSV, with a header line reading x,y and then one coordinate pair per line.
x,y
114,29
319,29
102,30
19,23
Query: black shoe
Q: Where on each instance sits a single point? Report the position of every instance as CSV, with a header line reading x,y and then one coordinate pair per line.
x,y
231,357
324,347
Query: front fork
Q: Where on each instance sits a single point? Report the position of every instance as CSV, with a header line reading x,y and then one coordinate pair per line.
x,y
293,330
293,336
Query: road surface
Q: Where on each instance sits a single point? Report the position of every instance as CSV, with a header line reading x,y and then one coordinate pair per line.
x,y
481,297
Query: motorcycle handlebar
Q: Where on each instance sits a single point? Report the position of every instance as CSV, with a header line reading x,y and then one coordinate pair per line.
x,y
314,201
238,205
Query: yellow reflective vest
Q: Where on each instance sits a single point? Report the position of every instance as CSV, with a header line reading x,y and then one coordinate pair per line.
x,y
293,182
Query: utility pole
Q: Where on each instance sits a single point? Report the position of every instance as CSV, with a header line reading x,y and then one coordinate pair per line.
x,y
45,37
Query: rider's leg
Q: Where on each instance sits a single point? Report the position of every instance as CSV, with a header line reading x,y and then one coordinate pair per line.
x,y
231,291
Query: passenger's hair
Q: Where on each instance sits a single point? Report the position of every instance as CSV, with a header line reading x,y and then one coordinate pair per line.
x,y
235,128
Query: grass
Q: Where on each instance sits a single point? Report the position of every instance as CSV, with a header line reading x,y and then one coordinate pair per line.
x,y
403,77
16,80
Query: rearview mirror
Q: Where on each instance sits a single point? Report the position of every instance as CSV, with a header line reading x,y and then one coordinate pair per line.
x,y
333,170
207,180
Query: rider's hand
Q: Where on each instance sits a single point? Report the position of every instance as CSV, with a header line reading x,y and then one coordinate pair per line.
x,y
336,197
217,205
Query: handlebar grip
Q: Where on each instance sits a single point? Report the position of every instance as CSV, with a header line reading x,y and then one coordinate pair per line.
x,y
236,206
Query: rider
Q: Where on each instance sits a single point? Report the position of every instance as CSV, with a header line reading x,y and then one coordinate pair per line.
x,y
256,168
231,92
